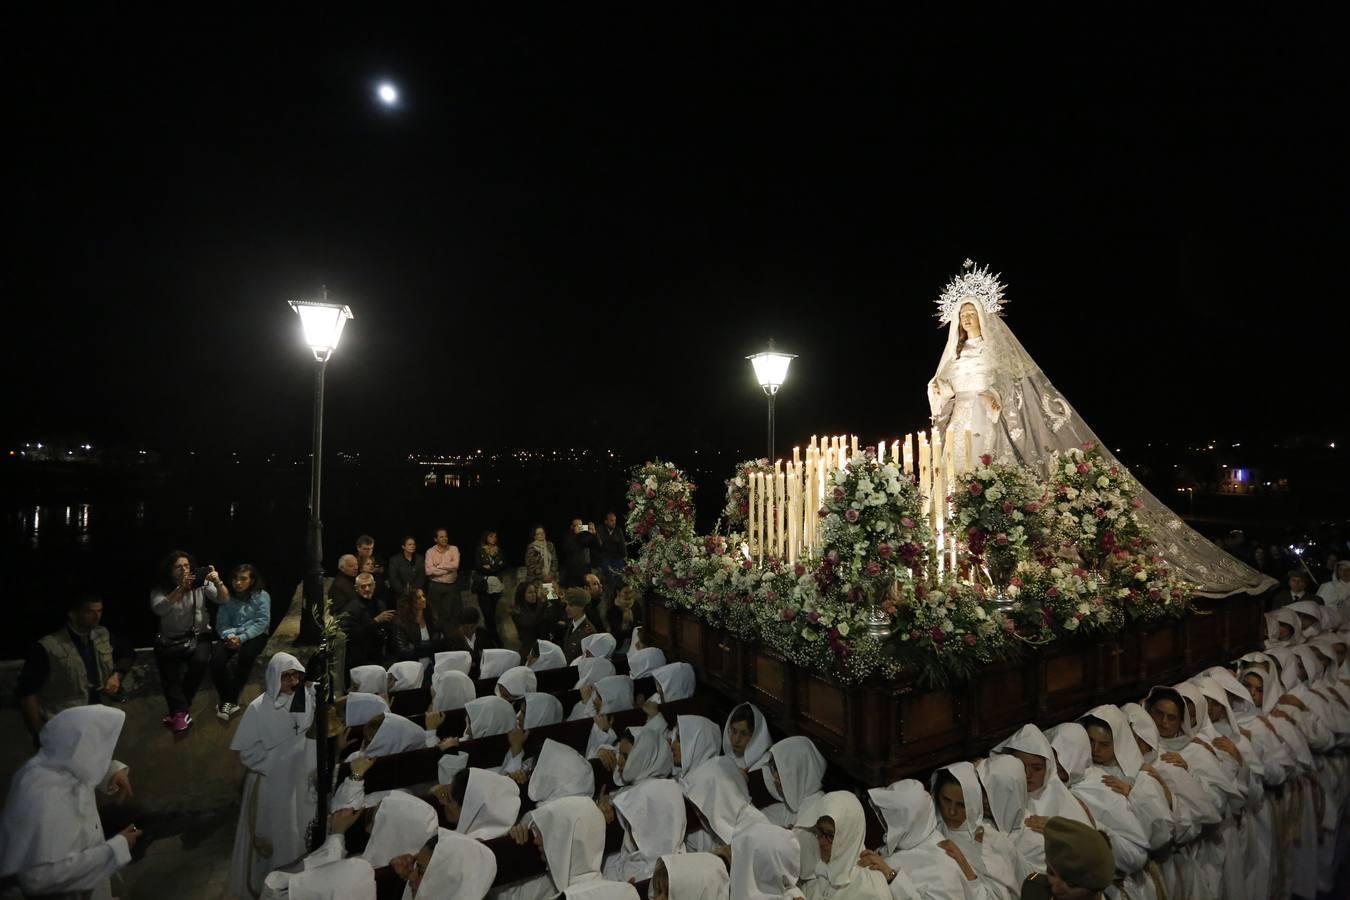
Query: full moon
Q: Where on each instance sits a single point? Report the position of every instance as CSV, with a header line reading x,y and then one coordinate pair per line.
x,y
388,94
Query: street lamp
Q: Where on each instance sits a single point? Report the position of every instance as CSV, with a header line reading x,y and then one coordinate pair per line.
x,y
771,369
322,323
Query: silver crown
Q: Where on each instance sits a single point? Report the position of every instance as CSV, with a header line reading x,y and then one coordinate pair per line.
x,y
975,284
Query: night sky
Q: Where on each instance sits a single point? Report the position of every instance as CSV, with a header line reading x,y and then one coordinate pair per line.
x,y
571,231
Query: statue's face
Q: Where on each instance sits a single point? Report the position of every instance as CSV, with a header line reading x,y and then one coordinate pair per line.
x,y
970,320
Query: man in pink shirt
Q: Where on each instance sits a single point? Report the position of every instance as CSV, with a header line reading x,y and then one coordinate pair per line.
x,y
443,589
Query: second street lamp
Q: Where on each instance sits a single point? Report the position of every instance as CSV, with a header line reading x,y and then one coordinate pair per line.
x,y
771,368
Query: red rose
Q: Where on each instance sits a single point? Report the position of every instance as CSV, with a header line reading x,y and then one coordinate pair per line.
x,y
1088,445
1099,513
1015,581
1083,468
1136,503
884,551
1053,592
1001,539
873,569
976,489
1007,508
907,521
970,639
1033,506
789,615
986,459
823,512
650,493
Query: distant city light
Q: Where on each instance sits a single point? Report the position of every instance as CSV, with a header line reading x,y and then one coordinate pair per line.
x,y
388,94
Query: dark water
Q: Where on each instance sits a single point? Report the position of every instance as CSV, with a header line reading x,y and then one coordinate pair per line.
x,y
64,536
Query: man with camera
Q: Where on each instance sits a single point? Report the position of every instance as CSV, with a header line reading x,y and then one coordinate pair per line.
x,y
182,649
78,664
579,547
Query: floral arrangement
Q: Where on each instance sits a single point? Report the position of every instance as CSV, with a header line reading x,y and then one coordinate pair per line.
x,y
951,629
1147,588
736,513
998,510
874,533
1095,503
660,501
1062,600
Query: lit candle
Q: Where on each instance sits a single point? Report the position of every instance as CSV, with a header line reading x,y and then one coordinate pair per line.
x,y
753,518
939,505
970,452
881,453
796,455
908,450
854,447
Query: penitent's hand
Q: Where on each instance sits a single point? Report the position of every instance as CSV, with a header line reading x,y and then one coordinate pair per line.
x,y
361,765
1037,823
1175,758
520,833
119,786
1120,786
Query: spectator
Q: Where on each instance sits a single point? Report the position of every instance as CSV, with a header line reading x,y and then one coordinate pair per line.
x,y
577,625
342,591
623,616
613,551
364,623
1261,560
541,558
487,582
1335,594
1296,589
416,634
365,550
368,565
182,651
442,568
75,665
407,568
579,546
595,607
243,625
534,614
468,635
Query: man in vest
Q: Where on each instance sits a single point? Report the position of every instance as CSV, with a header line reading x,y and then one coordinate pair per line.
x,y
76,665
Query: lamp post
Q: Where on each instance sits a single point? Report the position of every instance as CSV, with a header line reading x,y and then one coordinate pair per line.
x,y
322,323
771,369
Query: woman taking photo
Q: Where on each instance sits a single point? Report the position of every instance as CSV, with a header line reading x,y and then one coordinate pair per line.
x,y
243,623
182,648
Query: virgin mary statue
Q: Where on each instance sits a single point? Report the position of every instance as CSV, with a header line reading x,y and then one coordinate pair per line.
x,y
988,384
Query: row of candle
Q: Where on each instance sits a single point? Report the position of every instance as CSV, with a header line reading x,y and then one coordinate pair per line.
x,y
783,520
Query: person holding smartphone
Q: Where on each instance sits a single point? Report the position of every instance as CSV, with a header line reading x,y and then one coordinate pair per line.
x,y
182,647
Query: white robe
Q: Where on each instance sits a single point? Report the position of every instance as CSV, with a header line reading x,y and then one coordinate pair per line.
x,y
50,834
279,796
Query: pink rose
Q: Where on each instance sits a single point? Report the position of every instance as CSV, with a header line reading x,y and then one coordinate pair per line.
x,y
907,521
986,459
650,493
1009,626
1099,513
851,514
1015,581
747,564
838,493
1136,503
1154,593
1053,592
1007,508
938,635
885,551
1078,616
832,556
1001,539
799,570
1097,601
789,615
1033,506
970,639
1088,445
813,617
1079,572
635,486
1083,468
823,512
873,569
976,489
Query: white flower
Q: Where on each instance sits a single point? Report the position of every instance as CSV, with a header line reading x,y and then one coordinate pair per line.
x,y
948,625
1085,608
1070,468
1056,573
843,629
1103,482
1071,624
1071,493
864,485
980,613
1141,576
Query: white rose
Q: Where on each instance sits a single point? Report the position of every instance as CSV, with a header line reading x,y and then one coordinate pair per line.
x,y
1141,576
1103,482
1070,468
948,625
1071,624
843,629
1056,573
864,486
980,613
1085,608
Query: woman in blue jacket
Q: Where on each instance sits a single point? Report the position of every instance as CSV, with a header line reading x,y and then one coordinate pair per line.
x,y
243,623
